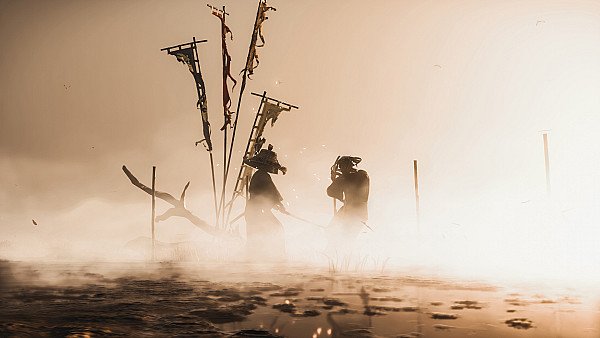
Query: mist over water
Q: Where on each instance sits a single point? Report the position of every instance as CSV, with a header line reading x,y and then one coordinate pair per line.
x,y
466,88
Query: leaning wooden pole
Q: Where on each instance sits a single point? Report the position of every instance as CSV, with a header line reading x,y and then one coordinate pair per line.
x,y
547,163
153,212
416,178
225,111
242,87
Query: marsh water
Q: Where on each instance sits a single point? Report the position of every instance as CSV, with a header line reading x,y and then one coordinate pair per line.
x,y
244,300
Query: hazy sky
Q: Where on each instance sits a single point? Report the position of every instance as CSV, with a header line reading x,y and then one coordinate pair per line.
x,y
465,87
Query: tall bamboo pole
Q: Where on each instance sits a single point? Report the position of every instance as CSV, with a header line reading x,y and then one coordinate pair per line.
x,y
547,163
153,210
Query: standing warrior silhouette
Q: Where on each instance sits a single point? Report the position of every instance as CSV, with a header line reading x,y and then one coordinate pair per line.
x,y
351,186
265,237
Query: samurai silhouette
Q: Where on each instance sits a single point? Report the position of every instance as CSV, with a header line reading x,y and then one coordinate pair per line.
x,y
265,237
351,186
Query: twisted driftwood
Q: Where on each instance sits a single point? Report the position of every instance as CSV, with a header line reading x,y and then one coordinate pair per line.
x,y
178,209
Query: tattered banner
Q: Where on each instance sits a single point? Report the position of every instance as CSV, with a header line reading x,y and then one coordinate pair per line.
x,y
252,61
186,56
226,70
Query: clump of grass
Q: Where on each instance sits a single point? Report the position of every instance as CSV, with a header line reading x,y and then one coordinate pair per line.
x,y
359,263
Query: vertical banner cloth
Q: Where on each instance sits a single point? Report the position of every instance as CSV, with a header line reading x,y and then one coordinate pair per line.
x,y
252,61
270,112
226,70
186,55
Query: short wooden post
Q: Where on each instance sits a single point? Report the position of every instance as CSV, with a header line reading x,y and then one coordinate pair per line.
x,y
416,178
153,210
547,162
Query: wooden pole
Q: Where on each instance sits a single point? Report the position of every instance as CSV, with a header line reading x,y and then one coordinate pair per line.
x,y
224,184
547,163
416,177
242,87
249,144
223,58
208,141
153,210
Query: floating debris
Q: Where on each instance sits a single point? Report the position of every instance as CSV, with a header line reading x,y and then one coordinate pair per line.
x,y
442,327
317,298
466,304
411,335
264,287
381,290
371,311
333,302
257,300
317,290
285,307
287,293
255,333
519,323
306,313
440,315
436,303
384,308
386,299
362,333
516,302
409,309
221,315
344,311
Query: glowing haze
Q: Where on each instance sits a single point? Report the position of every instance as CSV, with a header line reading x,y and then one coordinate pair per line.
x,y
465,87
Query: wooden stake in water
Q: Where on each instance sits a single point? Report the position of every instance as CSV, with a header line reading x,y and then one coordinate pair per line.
x,y
416,177
547,162
153,209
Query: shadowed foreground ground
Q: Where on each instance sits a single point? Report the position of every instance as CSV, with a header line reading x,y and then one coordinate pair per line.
x,y
136,299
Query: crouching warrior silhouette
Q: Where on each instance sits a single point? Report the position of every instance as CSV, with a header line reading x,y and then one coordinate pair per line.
x,y
351,186
265,238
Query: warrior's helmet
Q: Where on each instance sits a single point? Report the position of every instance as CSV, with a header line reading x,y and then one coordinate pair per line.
x,y
351,161
266,159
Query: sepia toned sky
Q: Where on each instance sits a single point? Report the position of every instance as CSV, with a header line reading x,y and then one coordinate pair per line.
x,y
464,86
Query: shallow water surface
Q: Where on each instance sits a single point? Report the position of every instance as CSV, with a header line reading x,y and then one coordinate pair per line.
x,y
136,299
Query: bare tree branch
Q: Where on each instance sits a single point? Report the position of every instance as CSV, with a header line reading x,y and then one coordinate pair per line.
x,y
178,209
